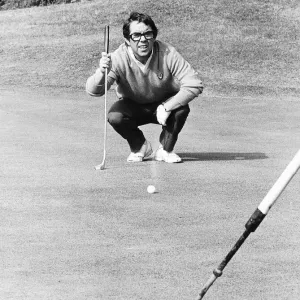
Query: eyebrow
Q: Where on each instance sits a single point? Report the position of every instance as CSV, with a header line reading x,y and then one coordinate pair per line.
x,y
143,31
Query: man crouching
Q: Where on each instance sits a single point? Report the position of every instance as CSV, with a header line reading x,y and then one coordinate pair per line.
x,y
154,84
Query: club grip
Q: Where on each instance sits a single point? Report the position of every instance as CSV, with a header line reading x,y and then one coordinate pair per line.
x,y
255,220
106,39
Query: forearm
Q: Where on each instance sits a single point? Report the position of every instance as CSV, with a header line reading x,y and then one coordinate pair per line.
x,y
182,98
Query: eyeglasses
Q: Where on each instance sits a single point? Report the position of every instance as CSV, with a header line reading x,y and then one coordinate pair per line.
x,y
136,36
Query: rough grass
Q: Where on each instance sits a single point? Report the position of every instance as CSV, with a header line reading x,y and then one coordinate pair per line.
x,y
237,46
17,4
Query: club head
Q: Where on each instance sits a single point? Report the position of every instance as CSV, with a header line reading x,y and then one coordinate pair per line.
x,y
100,167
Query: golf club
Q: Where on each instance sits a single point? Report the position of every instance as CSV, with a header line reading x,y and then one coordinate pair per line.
x,y
106,47
256,218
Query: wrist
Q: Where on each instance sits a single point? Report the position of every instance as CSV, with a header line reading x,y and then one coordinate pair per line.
x,y
165,108
99,77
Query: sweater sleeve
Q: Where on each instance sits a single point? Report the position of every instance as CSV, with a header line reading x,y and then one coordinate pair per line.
x,y
190,84
95,83
93,86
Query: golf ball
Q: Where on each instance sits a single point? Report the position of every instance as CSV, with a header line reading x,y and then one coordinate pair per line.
x,y
151,189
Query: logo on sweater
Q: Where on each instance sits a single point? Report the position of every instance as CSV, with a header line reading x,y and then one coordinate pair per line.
x,y
160,76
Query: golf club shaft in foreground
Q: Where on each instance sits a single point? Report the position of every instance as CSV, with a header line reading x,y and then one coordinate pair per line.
x,y
106,47
256,217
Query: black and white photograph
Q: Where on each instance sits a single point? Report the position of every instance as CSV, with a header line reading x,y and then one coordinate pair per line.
x,y
150,150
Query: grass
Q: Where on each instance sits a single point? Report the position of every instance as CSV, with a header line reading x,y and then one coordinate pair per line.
x,y
237,46
17,4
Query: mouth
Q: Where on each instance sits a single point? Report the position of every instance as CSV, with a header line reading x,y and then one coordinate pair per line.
x,y
143,47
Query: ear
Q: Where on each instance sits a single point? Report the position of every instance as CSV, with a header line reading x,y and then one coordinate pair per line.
x,y
127,42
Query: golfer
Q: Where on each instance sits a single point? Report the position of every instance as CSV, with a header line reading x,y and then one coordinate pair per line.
x,y
154,84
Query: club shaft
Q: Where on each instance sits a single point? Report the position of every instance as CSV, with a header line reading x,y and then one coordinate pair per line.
x,y
105,118
106,49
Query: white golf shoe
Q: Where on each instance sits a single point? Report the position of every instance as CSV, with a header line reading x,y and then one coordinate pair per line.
x,y
143,153
163,155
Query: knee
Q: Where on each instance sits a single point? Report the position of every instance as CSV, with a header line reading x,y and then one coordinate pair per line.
x,y
115,118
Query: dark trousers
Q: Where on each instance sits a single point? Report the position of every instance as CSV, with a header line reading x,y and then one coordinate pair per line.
x,y
125,116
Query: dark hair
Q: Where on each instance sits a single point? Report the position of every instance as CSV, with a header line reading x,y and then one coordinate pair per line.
x,y
141,18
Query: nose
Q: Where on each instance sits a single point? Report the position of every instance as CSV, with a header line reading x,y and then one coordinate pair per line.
x,y
143,38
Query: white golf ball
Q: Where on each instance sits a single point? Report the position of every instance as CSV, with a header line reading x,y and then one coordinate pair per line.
x,y
151,189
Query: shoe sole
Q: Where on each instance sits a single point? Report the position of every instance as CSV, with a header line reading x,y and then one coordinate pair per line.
x,y
169,162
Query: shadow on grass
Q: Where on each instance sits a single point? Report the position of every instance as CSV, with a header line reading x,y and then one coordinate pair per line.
x,y
204,156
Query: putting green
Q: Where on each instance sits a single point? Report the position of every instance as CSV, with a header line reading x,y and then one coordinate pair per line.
x,y
70,232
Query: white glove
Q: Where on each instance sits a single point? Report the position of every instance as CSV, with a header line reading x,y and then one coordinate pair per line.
x,y
162,115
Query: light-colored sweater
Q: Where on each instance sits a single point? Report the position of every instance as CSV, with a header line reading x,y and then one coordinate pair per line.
x,y
168,78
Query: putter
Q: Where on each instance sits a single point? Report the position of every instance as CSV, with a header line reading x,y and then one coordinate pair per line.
x,y
106,47
256,217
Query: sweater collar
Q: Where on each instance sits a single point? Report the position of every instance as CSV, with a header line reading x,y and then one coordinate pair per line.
x,y
155,52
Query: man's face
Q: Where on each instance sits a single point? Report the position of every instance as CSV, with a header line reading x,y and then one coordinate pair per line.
x,y
142,47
